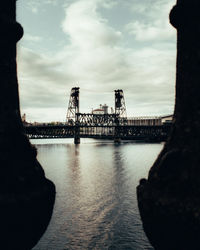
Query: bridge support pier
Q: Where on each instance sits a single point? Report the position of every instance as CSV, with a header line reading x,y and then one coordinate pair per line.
x,y
117,138
77,140
77,135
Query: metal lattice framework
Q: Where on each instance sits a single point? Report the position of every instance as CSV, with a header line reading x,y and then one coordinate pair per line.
x,y
113,126
88,119
96,120
97,131
73,106
120,107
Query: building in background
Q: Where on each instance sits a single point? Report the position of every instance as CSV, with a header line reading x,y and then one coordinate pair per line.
x,y
102,110
166,119
150,120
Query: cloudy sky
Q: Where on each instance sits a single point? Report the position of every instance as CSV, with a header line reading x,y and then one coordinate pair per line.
x,y
99,46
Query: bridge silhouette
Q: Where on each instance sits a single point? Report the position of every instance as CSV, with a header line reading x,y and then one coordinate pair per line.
x,y
113,126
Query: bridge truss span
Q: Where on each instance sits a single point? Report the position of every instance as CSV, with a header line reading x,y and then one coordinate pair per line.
x,y
96,120
104,125
128,132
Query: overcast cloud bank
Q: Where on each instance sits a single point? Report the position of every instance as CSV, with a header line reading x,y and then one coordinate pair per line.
x,y
97,59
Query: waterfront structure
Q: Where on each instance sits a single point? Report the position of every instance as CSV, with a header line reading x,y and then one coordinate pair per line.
x,y
98,118
72,111
103,109
149,120
73,106
101,124
106,131
120,106
167,119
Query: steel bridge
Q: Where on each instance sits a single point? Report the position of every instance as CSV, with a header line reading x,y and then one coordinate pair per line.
x,y
126,132
90,120
111,126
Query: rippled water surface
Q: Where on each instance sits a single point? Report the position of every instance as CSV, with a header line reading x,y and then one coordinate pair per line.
x,y
96,204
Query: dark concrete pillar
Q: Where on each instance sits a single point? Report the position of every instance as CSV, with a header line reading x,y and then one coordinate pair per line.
x,y
169,200
26,196
117,131
77,139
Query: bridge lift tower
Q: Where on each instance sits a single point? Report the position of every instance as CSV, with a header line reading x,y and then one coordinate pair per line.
x,y
73,110
120,111
73,113
120,107
73,106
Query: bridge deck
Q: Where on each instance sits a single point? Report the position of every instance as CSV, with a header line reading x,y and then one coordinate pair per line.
x,y
129,132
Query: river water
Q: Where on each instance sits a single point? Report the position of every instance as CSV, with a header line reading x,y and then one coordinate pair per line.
x,y
96,204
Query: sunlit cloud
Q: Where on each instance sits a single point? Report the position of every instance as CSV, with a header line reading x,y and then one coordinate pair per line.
x,y
32,38
96,59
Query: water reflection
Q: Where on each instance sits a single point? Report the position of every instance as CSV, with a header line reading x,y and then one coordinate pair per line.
x,y
96,205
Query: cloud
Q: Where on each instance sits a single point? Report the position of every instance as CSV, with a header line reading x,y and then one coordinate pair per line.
x,y
109,4
41,84
32,38
148,32
35,5
96,60
150,8
86,28
154,26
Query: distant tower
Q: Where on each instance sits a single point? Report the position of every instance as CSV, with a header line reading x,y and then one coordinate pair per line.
x,y
105,108
73,106
120,112
120,107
